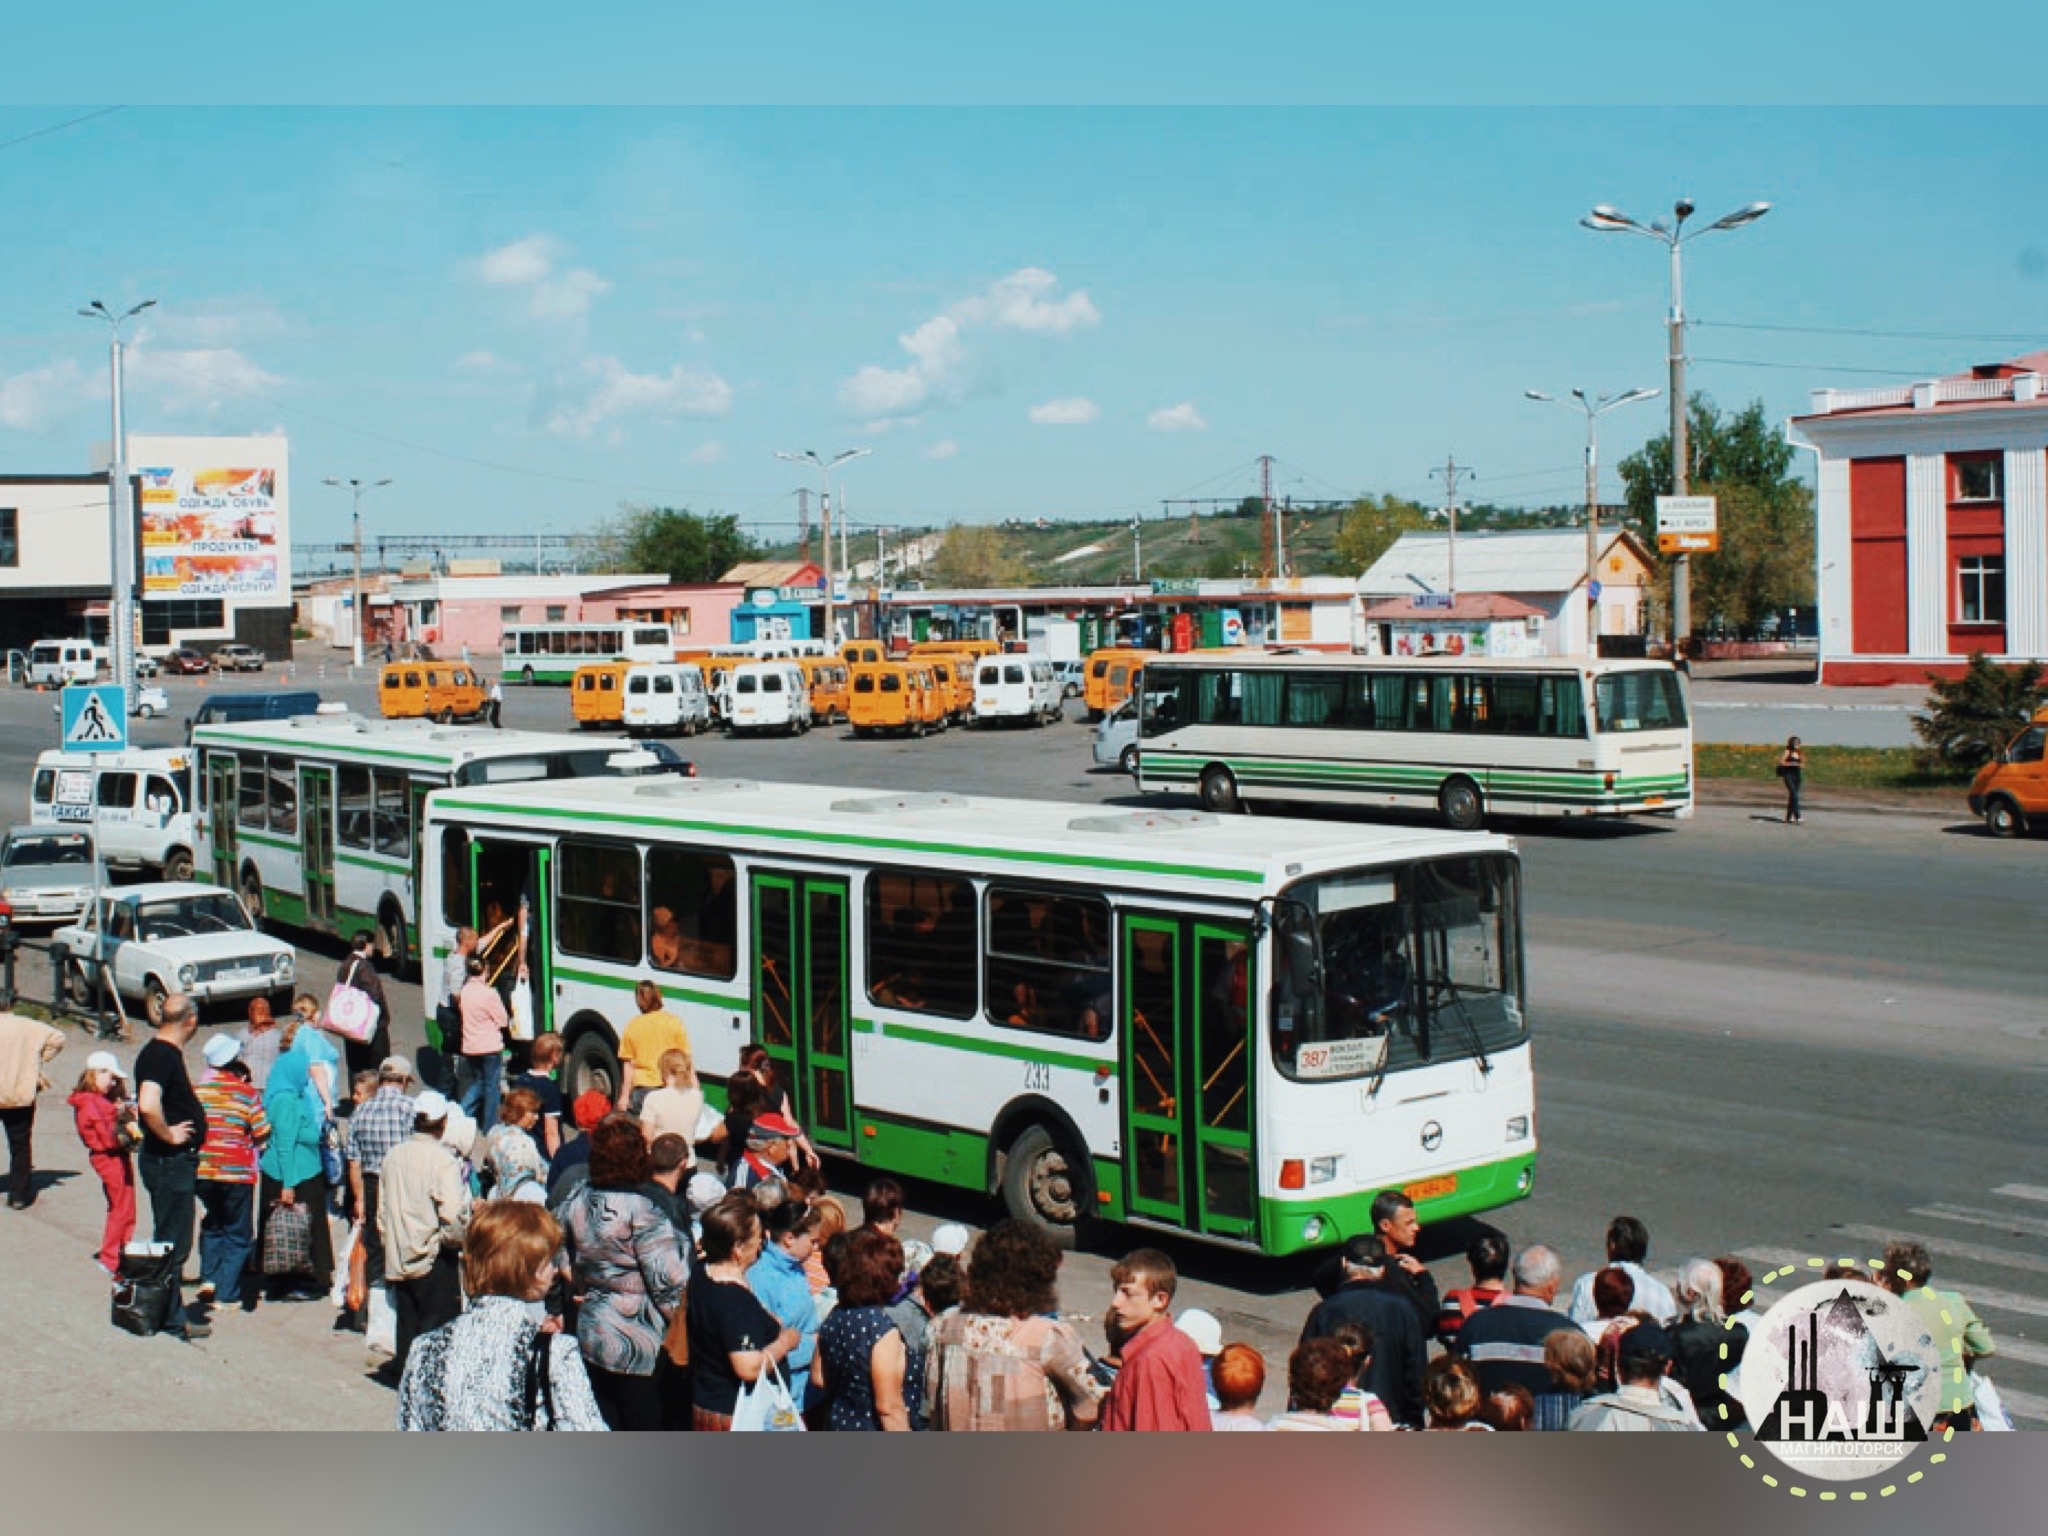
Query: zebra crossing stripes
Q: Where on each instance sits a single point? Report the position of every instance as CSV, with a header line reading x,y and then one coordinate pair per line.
x,y
2023,1191
1976,1216
1947,1250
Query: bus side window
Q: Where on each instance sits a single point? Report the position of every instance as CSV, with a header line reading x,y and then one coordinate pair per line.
x,y
353,808
250,776
692,911
393,824
1047,962
921,943
455,877
598,900
284,795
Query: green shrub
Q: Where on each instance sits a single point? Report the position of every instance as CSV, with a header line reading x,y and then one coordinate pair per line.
x,y
1969,718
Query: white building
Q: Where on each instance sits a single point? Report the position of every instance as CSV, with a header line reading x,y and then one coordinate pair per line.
x,y
1541,570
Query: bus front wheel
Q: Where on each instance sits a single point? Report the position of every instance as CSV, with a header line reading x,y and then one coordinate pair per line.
x,y
1039,1185
1461,806
1219,790
2004,819
526,676
591,1067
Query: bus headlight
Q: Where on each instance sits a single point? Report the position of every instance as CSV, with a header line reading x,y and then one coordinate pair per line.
x,y
1322,1170
1312,1230
282,965
187,975
1518,1128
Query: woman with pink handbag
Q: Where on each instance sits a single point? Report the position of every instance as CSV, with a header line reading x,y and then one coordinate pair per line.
x,y
365,1053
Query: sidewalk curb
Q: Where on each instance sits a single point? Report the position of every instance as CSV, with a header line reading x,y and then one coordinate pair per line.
x,y
1748,793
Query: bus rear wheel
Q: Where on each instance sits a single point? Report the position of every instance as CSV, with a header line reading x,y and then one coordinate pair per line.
x,y
526,676
1039,1184
1462,809
1219,790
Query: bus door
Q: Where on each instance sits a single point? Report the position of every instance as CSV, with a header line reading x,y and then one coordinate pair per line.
x,y
223,796
1187,1073
509,885
800,996
316,842
418,845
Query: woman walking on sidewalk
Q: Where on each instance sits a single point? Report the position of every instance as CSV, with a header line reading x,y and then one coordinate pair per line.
x,y
96,1105
1791,767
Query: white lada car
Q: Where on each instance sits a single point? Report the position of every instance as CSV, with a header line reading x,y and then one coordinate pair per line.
x,y
172,936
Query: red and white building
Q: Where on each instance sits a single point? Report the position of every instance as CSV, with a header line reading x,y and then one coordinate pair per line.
x,y
1933,522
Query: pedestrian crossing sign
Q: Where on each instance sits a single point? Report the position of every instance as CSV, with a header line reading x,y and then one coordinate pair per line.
x,y
95,719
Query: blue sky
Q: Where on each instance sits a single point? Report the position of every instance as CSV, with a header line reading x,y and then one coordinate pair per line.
x,y
526,316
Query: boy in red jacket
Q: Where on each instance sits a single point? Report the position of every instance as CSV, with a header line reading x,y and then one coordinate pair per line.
x,y
98,1104
1161,1383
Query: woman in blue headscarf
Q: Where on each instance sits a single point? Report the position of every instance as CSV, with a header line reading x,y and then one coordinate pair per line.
x,y
292,1172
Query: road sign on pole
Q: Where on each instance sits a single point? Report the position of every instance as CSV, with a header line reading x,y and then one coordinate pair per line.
x,y
1687,525
96,718
1431,600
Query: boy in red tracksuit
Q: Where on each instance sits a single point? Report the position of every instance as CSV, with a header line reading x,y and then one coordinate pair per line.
x,y
98,1104
1161,1384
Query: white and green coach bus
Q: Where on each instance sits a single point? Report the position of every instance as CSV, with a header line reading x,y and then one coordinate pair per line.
x,y
1238,1031
316,820
551,653
1463,735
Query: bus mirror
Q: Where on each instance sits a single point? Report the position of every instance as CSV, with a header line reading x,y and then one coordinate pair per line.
x,y
1298,956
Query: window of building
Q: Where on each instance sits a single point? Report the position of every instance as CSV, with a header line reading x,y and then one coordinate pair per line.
x,y
1980,589
693,912
1979,479
921,943
1048,962
597,912
557,612
10,536
509,614
161,618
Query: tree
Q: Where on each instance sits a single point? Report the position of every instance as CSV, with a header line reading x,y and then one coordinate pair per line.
x,y
1971,717
975,555
683,545
1766,517
1370,528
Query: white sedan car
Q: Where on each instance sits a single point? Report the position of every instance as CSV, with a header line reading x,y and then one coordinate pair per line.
x,y
172,936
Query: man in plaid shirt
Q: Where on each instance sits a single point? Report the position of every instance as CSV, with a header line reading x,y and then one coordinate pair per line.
x,y
379,1124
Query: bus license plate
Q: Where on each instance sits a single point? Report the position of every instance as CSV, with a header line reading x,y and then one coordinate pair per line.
x,y
1653,799
1431,1189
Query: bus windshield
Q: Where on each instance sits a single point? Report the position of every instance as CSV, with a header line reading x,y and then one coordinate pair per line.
x,y
1650,700
1385,969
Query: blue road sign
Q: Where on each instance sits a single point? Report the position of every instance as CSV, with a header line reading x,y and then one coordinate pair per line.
x,y
1432,600
96,718
1592,591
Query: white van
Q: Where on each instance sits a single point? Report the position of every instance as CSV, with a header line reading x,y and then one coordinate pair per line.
x,y
1016,688
664,698
767,696
138,802
54,663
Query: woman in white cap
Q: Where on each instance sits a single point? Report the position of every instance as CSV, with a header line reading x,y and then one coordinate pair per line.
x,y
236,1129
96,1106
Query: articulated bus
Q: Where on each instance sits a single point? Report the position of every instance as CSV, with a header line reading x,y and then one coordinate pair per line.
x,y
1239,1031
315,820
1467,736
551,653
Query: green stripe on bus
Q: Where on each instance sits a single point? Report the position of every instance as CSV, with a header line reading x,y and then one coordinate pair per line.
x,y
1009,1050
851,840
264,839
319,750
628,983
363,861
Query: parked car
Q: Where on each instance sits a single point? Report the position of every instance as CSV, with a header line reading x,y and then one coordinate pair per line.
x,y
184,662
278,704
171,936
1116,738
46,873
1016,688
1072,676
2011,791
146,665
238,658
664,697
767,696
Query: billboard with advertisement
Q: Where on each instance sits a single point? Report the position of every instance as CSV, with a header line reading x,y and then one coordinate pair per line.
x,y
210,532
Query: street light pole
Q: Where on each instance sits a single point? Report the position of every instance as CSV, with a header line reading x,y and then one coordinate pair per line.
x,y
121,520
1594,407
825,468
1607,219
355,488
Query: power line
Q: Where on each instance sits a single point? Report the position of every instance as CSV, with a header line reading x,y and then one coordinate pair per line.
x,y
1832,330
1750,362
57,127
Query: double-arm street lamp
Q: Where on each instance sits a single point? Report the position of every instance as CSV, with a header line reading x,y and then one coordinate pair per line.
x,y
1595,406
121,516
1610,220
356,488
825,468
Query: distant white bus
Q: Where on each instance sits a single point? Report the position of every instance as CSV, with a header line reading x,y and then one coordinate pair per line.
x,y
551,653
1464,735
315,820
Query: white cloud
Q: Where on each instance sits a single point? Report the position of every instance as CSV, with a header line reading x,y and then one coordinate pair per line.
x,y
1177,418
707,453
201,381
213,323
602,392
483,360
1073,411
941,362
40,399
945,448
533,266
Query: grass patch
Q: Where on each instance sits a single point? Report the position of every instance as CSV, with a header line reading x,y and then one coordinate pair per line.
x,y
1826,767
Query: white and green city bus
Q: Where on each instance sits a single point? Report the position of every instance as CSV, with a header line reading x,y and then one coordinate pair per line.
x,y
1237,1031
1464,735
315,820
551,653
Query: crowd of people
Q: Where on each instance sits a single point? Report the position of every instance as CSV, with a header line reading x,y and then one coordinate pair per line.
x,y
639,1260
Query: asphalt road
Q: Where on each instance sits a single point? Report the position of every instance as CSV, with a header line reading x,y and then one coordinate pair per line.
x,y
1777,1041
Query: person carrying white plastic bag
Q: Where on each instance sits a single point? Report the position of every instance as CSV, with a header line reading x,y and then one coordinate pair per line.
x,y
766,1406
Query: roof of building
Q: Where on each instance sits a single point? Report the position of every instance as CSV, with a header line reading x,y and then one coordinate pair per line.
x,y
2019,383
1520,560
1467,606
776,573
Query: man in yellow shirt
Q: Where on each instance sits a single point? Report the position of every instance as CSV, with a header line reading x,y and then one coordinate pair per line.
x,y
653,1031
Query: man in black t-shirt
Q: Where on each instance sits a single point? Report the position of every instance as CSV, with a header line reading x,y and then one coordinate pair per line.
x,y
173,1130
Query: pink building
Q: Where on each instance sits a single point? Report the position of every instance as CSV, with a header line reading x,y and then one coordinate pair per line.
x,y
448,613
